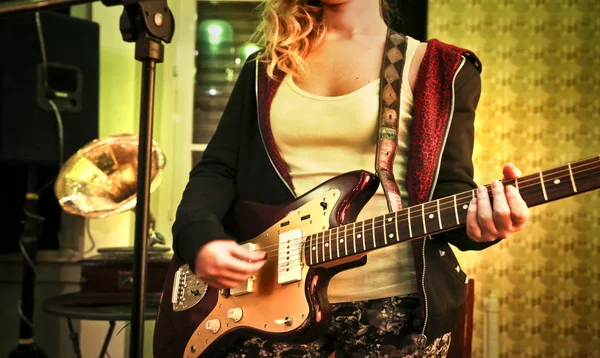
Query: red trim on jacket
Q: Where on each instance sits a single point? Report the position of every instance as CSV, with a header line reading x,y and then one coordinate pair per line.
x,y
267,87
431,114
431,117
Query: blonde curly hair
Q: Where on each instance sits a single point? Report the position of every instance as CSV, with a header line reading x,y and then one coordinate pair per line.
x,y
288,30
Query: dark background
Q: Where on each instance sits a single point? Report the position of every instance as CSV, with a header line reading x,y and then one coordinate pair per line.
x,y
409,17
28,127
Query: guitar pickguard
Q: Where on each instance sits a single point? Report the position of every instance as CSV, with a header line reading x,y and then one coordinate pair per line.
x,y
277,302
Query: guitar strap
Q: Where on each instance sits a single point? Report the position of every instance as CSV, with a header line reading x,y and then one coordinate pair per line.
x,y
392,67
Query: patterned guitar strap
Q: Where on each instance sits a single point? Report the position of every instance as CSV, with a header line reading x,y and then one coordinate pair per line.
x,y
389,115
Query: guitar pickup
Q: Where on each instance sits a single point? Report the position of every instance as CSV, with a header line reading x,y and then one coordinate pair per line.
x,y
289,259
248,286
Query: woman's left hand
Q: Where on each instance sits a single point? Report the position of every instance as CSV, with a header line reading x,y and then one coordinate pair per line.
x,y
507,214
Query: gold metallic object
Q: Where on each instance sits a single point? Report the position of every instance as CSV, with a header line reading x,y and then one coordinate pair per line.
x,y
101,178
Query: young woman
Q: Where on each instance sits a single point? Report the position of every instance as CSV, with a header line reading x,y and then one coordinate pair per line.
x,y
311,106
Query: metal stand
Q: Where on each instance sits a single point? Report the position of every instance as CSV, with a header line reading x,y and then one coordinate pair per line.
x,y
111,329
74,337
147,23
29,243
97,306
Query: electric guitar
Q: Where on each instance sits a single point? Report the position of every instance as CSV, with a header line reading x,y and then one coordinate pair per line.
x,y
307,242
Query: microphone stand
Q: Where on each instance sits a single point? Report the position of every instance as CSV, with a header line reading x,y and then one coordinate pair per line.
x,y
147,23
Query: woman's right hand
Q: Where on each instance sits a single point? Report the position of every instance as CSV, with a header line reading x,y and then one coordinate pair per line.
x,y
226,264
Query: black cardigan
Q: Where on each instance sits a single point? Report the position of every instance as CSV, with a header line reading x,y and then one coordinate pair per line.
x,y
235,165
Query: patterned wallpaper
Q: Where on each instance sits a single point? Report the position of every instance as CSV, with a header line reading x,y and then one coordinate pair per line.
x,y
540,108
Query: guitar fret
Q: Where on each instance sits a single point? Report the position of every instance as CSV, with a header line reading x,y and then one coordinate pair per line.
x,y
323,247
543,186
389,221
557,183
354,235
310,248
384,230
373,228
456,210
572,179
329,244
423,217
409,224
357,236
396,225
363,236
316,248
345,241
439,214
585,174
517,184
337,240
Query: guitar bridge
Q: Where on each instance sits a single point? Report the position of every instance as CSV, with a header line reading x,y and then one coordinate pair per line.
x,y
188,290
289,261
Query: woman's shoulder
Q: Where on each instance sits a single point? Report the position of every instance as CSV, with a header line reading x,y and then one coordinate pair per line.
x,y
419,48
442,51
440,54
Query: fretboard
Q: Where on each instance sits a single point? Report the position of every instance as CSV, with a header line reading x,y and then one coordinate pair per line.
x,y
445,214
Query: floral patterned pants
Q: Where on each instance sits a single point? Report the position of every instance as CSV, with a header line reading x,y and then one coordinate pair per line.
x,y
374,328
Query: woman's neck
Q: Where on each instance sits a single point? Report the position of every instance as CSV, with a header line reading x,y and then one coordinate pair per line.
x,y
352,18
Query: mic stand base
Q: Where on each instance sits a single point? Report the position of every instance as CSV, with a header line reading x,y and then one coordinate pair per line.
x,y
27,351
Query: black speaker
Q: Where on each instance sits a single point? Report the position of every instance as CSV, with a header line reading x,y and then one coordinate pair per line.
x,y
29,129
52,57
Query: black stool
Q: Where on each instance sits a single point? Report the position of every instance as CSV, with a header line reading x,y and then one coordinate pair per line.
x,y
98,307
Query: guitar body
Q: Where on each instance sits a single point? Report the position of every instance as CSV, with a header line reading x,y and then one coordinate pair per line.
x,y
307,242
286,300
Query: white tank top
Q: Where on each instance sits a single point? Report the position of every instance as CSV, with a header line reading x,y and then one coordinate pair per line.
x,y
322,137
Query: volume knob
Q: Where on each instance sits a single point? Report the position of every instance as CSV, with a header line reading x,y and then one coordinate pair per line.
x,y
213,325
235,314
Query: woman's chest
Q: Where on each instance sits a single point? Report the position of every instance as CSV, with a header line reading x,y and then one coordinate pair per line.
x,y
337,68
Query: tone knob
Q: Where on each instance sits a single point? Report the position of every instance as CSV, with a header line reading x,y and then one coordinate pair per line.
x,y
213,325
235,314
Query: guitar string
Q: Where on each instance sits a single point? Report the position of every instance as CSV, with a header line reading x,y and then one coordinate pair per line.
x,y
401,218
323,255
327,239
534,178
459,196
319,250
320,258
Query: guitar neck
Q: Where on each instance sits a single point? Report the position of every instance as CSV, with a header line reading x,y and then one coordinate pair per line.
x,y
446,213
